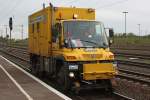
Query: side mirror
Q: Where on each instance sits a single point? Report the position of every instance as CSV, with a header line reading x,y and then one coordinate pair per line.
x,y
110,42
111,33
53,39
65,43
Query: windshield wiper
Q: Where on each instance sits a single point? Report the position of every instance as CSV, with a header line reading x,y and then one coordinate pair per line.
x,y
105,45
89,42
94,43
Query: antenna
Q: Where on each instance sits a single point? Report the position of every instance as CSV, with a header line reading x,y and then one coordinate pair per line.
x,y
43,5
51,5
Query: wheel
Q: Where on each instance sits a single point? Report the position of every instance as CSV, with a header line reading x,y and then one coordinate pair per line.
x,y
35,66
63,79
41,67
109,90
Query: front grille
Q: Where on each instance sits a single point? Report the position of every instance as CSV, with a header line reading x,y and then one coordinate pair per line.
x,y
92,56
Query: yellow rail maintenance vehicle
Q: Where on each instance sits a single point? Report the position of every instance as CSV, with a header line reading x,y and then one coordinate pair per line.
x,y
69,45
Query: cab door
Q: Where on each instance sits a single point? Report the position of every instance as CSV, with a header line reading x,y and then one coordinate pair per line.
x,y
56,40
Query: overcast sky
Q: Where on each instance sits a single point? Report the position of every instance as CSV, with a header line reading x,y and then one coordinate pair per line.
x,y
107,11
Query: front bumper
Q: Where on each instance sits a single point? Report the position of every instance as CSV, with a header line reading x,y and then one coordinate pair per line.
x,y
94,71
98,71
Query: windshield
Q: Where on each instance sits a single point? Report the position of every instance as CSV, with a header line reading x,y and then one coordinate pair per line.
x,y
85,34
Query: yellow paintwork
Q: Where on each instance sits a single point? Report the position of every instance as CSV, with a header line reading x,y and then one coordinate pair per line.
x,y
84,54
98,71
64,13
40,42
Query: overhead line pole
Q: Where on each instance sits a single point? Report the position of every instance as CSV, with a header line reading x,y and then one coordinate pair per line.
x,y
125,13
22,31
139,30
6,29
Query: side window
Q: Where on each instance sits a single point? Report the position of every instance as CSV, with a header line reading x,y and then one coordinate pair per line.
x,y
98,29
38,27
56,32
32,28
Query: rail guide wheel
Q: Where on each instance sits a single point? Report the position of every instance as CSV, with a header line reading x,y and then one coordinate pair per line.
x,y
63,78
109,89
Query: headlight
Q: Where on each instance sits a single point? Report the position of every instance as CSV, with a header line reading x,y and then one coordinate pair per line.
x,y
73,67
115,64
71,74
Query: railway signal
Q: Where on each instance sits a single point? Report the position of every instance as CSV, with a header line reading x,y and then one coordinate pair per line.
x,y
10,27
10,23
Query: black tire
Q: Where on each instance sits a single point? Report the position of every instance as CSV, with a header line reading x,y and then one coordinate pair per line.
x,y
63,79
35,66
109,89
32,67
41,68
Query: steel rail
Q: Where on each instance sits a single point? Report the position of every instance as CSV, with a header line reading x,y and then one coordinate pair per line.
x,y
123,76
115,95
122,96
138,49
125,62
17,57
15,47
119,61
135,73
140,77
141,56
136,79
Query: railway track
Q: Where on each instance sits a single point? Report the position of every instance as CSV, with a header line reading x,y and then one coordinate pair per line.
x,y
139,56
138,64
96,96
136,76
147,48
26,61
115,96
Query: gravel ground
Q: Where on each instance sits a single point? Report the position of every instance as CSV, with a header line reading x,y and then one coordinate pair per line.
x,y
133,90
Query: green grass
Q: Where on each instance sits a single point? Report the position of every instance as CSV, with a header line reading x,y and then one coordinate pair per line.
x,y
23,43
132,40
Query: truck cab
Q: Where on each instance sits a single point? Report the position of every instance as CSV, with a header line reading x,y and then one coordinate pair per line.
x,y
85,48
